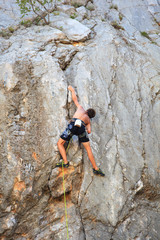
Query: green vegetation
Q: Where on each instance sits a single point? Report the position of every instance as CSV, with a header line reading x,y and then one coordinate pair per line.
x,y
76,5
144,34
5,33
158,22
26,23
11,29
60,28
55,13
120,16
153,42
41,8
113,6
73,15
116,25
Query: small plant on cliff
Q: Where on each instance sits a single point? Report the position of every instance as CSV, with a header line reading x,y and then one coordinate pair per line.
x,y
120,16
41,8
11,29
73,15
26,23
6,33
116,25
3,33
114,7
76,5
144,34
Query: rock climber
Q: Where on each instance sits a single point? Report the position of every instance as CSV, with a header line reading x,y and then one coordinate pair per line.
x,y
80,125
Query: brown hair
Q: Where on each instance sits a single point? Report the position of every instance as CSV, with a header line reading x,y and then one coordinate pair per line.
x,y
91,112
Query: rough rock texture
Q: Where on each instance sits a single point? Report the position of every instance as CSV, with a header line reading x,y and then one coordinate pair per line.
x,y
73,29
9,13
115,69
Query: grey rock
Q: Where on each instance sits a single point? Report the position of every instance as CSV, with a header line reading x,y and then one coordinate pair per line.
x,y
73,29
77,3
89,23
101,7
143,219
137,13
65,55
113,15
66,9
90,6
9,13
82,11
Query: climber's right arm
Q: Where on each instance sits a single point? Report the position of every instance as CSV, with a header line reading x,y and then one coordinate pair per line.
x,y
74,97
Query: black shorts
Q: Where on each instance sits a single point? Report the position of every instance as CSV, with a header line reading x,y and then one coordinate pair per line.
x,y
74,130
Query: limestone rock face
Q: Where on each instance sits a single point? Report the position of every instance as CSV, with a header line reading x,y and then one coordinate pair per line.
x,y
9,13
111,58
73,29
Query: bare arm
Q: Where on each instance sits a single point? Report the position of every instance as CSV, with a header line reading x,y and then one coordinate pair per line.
x,y
88,127
74,97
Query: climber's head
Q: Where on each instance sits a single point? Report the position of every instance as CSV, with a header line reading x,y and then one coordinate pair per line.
x,y
91,112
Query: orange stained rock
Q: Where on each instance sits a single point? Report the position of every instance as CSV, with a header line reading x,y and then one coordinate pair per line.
x,y
67,171
3,238
62,219
51,207
77,44
24,234
1,196
36,157
14,210
19,185
69,216
69,205
94,219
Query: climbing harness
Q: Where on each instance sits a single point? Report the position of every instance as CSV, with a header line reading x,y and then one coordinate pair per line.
x,y
65,204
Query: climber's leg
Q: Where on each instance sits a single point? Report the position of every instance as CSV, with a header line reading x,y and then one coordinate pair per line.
x,y
62,150
90,154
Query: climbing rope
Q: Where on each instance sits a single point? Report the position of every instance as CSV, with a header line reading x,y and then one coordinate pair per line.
x,y
65,204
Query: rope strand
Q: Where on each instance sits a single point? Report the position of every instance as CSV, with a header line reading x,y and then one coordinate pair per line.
x,y
65,204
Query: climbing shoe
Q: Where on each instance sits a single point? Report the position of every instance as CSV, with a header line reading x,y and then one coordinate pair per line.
x,y
98,172
62,163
